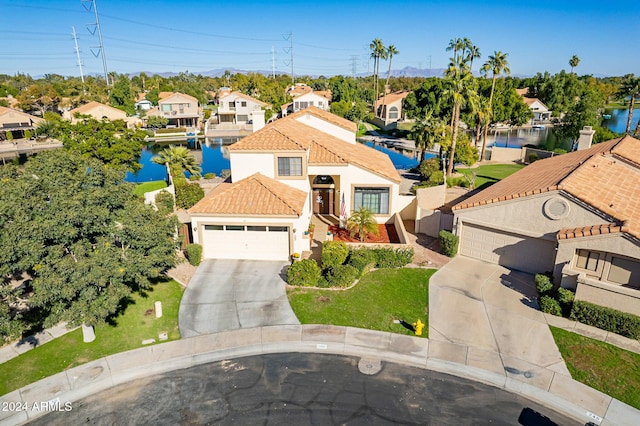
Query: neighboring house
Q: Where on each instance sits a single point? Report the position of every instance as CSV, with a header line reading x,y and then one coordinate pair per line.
x,y
304,96
181,110
142,103
95,110
576,215
390,108
16,122
304,164
238,108
539,109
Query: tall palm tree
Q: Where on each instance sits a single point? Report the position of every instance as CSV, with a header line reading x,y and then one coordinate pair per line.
x,y
428,131
630,87
456,44
473,53
391,51
378,51
178,155
461,88
496,64
574,61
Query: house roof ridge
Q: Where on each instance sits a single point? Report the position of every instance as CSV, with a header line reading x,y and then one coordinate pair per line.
x,y
258,178
593,230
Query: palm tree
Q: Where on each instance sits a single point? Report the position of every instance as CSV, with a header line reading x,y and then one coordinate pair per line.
x,y
456,44
391,51
362,223
630,87
574,61
497,64
378,51
428,131
461,88
474,53
180,156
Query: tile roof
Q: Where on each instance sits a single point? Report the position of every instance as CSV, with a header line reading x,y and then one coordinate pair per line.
x,y
5,110
588,231
169,95
247,97
605,176
253,195
289,134
390,98
327,116
91,105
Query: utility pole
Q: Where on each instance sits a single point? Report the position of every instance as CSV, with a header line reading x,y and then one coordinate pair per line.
x,y
354,65
75,40
88,5
290,51
273,63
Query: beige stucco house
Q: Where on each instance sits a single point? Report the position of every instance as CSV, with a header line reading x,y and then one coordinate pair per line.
x,y
181,110
307,163
16,122
304,96
95,110
576,215
238,108
390,108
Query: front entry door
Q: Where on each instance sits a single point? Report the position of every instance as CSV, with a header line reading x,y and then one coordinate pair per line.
x,y
323,201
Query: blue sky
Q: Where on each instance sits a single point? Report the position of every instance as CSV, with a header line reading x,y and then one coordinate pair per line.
x,y
329,37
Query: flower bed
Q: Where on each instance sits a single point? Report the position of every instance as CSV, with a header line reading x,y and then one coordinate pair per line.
x,y
386,234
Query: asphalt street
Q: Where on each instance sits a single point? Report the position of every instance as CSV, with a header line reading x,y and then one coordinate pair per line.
x,y
300,389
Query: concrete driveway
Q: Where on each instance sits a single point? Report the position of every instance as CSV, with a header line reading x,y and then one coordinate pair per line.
x,y
494,312
233,294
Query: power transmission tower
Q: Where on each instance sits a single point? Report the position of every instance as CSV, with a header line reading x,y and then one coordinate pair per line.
x,y
290,50
75,40
93,28
354,65
273,63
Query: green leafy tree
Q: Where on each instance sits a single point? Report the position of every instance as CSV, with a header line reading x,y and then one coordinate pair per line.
x,y
152,96
361,223
630,88
156,122
178,156
9,136
121,96
74,227
496,64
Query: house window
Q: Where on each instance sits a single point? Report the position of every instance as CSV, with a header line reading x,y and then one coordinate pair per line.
x,y
165,107
243,103
214,227
376,200
393,113
290,166
624,271
232,104
234,228
303,105
588,260
242,118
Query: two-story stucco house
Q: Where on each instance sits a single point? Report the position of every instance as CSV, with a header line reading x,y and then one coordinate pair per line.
x,y
238,108
181,110
307,163
576,215
304,96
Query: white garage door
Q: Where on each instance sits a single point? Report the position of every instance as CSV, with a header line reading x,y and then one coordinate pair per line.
x,y
245,242
514,251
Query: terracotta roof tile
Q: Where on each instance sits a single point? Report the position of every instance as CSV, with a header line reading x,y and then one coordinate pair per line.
x,y
91,105
588,231
327,116
281,135
253,195
247,97
390,98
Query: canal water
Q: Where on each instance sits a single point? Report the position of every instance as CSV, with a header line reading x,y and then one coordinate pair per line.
x,y
213,157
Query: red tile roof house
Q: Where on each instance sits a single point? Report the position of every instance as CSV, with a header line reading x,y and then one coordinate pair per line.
x,y
577,215
293,168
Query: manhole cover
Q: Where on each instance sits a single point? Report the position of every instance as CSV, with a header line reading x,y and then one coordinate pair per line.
x,y
369,366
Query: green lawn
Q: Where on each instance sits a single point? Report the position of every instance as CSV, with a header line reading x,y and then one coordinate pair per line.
x,y
144,187
380,297
137,323
489,174
602,366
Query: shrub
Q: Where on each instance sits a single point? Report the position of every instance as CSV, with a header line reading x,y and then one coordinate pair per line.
x,y
387,257
334,253
549,305
565,297
193,252
225,173
194,177
429,167
608,319
164,201
533,157
187,195
304,273
543,284
436,178
27,134
362,259
448,243
209,175
341,276
9,136
172,130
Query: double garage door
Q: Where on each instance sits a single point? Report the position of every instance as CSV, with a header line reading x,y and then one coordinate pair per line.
x,y
245,242
528,254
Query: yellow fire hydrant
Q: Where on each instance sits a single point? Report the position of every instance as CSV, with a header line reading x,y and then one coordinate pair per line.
x,y
418,326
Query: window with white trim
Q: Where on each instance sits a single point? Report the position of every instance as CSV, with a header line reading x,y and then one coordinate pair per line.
x,y
376,200
289,166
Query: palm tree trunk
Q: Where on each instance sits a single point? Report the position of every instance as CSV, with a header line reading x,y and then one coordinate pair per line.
x,y
486,126
630,116
454,136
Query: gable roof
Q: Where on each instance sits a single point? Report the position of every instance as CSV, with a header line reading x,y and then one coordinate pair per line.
x,y
254,195
605,176
86,108
390,98
247,97
13,112
169,96
326,116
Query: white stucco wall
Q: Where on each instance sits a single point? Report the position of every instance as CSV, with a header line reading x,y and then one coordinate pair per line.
x,y
244,164
325,126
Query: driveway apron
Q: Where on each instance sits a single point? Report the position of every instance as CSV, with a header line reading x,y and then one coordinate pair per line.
x,y
492,310
232,294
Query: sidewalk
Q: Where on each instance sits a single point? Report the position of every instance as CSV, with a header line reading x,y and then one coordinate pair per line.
x,y
14,349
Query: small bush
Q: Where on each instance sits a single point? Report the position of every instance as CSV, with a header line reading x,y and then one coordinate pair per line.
x,y
549,305
543,284
429,167
448,243
304,273
164,201
341,276
194,177
172,130
225,173
209,175
387,257
565,297
436,178
193,252
187,195
608,319
362,259
533,157
334,253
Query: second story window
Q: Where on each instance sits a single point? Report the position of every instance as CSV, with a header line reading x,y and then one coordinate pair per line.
x,y
289,166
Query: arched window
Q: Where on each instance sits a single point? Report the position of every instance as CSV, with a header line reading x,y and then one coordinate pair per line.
x,y
323,180
393,113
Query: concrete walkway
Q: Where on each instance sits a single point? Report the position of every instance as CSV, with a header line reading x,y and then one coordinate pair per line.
x,y
233,294
493,311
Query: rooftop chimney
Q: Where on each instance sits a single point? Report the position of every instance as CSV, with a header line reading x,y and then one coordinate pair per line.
x,y
586,137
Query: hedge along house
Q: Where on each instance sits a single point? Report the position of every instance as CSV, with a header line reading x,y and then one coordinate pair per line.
x,y
307,163
577,215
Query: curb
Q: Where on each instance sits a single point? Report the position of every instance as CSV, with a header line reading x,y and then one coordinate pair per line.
x,y
563,394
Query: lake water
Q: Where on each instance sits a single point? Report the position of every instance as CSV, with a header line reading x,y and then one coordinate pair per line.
x,y
213,157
